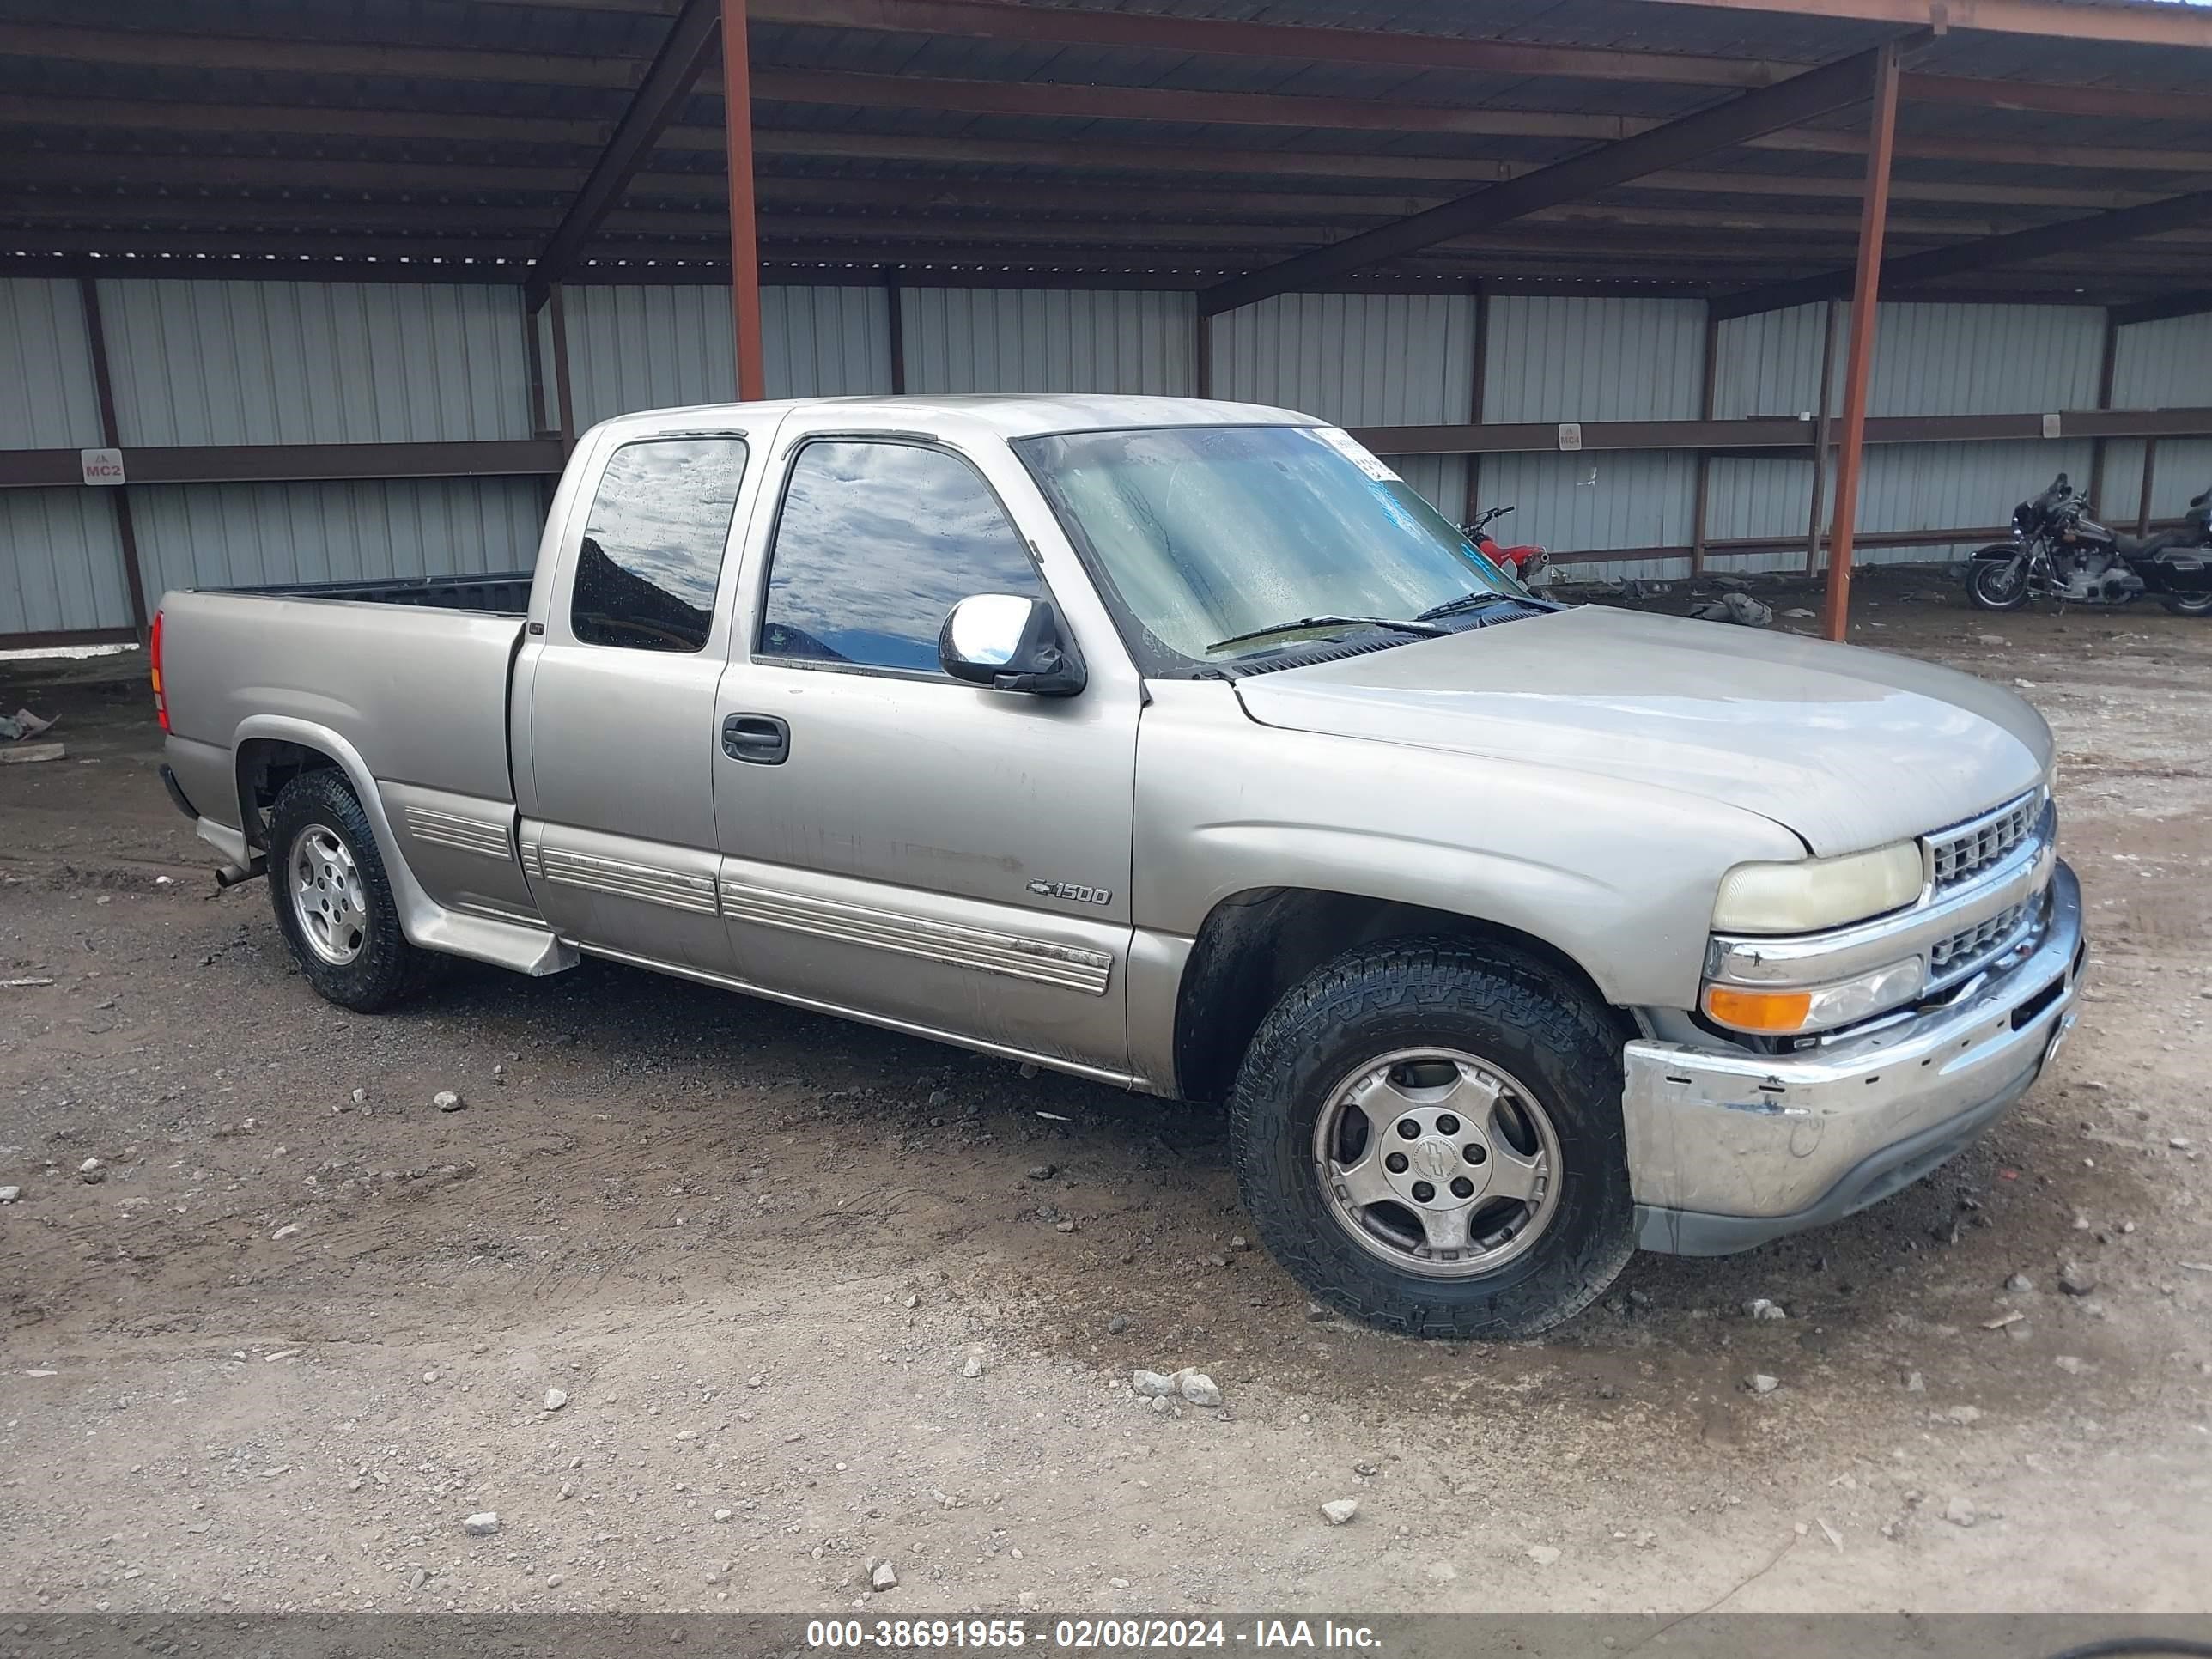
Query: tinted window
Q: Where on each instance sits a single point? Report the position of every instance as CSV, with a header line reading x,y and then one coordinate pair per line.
x,y
876,543
653,549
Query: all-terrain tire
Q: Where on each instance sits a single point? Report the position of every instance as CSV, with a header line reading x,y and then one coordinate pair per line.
x,y
1516,1014
386,969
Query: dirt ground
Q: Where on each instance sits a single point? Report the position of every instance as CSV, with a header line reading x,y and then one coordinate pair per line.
x,y
297,1334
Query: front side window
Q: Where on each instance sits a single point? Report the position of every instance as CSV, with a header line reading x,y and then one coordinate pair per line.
x,y
653,548
877,542
1212,540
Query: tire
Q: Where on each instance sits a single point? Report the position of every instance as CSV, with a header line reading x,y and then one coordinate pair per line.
x,y
1986,590
332,899
1548,1041
2187,605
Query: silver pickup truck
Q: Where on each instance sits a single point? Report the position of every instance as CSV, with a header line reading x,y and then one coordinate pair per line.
x,y
1181,745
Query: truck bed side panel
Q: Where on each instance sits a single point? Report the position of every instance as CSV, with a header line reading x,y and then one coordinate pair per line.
x,y
419,694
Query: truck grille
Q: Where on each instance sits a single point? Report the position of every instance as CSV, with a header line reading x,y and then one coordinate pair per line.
x,y
1960,854
1966,949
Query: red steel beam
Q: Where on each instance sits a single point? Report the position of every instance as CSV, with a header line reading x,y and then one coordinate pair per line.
x,y
1859,363
1789,103
2141,25
745,245
995,20
667,84
2068,239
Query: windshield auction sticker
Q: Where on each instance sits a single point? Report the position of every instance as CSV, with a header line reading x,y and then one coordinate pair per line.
x,y
1344,444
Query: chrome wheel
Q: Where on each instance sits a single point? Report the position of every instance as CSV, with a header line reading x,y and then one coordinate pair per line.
x,y
1438,1163
326,896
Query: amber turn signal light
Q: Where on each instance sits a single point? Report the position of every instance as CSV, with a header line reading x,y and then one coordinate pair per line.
x,y
1775,1011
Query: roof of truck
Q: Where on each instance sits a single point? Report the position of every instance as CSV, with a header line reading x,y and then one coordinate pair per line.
x,y
1008,414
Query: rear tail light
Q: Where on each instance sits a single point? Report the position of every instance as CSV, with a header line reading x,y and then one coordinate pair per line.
x,y
153,650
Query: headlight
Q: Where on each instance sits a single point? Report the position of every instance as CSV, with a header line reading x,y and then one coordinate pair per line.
x,y
1810,894
1786,1013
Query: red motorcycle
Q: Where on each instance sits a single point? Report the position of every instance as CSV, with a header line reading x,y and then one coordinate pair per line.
x,y
1527,562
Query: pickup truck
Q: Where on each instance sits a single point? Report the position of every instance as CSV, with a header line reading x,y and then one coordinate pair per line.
x,y
1180,745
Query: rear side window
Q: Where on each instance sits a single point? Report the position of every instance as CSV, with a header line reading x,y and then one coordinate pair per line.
x,y
875,544
653,549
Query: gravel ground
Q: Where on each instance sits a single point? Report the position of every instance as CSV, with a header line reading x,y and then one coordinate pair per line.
x,y
804,1289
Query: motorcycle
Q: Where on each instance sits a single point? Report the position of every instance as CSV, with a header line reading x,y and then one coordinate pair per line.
x,y
2057,551
1527,562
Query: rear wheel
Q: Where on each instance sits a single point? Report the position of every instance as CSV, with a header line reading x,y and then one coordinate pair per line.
x,y
2187,605
1997,584
1429,1136
333,901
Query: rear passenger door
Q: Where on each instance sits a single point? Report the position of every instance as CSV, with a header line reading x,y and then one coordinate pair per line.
x,y
615,758
937,856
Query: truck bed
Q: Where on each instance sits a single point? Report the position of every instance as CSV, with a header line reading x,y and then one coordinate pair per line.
x,y
504,593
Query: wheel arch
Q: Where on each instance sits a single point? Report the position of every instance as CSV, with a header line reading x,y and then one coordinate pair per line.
x,y
1256,944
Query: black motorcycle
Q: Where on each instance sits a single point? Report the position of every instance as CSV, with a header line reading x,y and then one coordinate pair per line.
x,y
2057,551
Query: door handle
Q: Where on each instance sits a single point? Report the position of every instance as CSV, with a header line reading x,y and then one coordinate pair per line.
x,y
763,740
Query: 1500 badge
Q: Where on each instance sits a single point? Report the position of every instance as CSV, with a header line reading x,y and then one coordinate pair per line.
x,y
1071,891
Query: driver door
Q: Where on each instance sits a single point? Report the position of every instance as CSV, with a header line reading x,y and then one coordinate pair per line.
x,y
943,857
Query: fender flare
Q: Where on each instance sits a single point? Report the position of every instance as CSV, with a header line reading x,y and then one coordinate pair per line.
x,y
1993,552
522,948
417,907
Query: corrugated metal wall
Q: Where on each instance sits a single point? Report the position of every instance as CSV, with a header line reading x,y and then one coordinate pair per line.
x,y
259,535
980,339
236,362
1559,359
252,362
1360,359
640,347
2165,365
61,563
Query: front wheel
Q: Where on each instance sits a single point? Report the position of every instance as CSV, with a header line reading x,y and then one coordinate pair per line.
x,y
1997,584
2187,605
1428,1135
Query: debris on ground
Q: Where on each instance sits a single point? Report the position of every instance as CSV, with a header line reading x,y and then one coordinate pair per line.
x,y
1738,608
1339,1511
556,1398
22,725
447,1101
1759,1307
1152,1385
483,1524
883,1576
1761,1383
2076,1279
24,984
972,1366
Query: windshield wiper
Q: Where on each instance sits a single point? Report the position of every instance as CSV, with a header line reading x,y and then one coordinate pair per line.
x,y
1421,626
1481,599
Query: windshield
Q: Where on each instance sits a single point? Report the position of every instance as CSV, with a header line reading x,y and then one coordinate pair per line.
x,y
1205,534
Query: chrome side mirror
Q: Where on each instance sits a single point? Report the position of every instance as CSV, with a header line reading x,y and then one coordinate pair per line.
x,y
1009,644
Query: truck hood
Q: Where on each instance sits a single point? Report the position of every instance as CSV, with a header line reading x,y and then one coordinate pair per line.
x,y
1848,748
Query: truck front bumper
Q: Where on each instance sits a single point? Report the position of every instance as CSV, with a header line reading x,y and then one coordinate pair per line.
x,y
1728,1151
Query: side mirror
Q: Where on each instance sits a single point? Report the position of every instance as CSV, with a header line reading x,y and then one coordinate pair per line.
x,y
1009,644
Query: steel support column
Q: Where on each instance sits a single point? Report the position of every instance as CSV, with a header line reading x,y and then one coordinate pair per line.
x,y
111,436
2104,366
1874,213
744,234
1476,400
1701,500
1823,424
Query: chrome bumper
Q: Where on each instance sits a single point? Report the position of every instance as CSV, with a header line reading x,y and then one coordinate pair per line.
x,y
1728,1151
